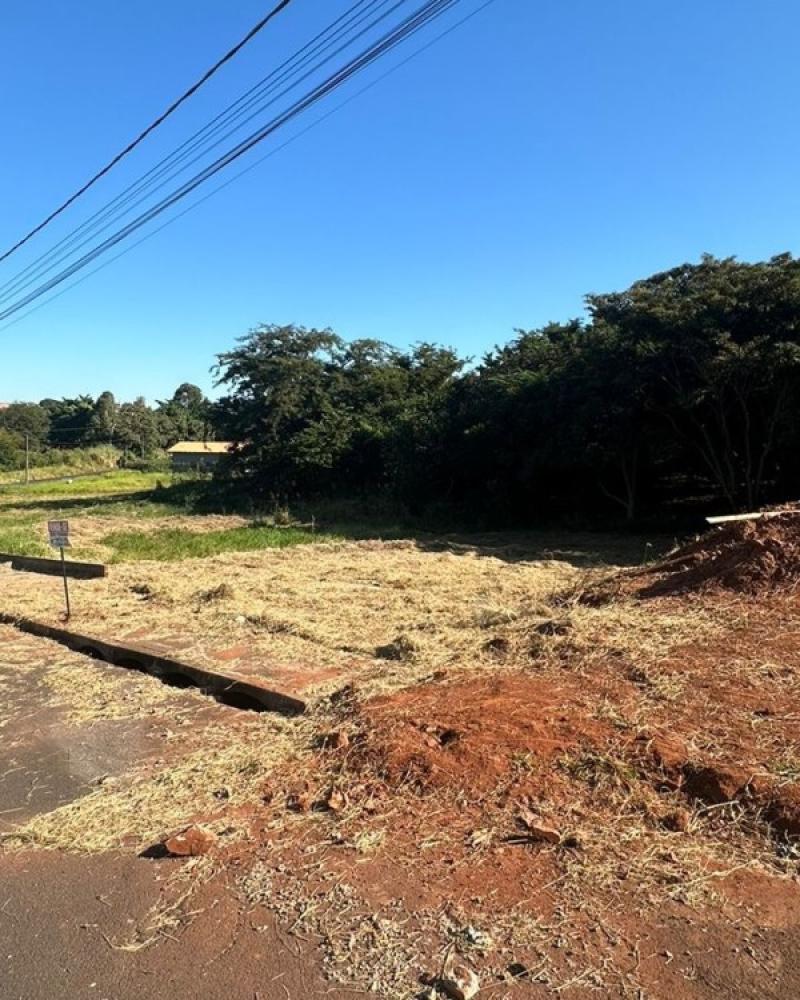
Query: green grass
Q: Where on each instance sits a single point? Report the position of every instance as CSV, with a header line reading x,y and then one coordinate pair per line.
x,y
102,484
21,541
175,543
128,493
24,509
76,462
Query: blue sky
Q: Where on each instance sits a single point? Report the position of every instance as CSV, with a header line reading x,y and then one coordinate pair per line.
x,y
546,149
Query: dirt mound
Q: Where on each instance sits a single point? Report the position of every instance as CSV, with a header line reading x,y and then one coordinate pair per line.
x,y
747,557
471,735
518,737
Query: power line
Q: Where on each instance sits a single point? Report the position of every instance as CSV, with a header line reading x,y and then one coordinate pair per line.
x,y
116,209
281,6
429,11
247,169
219,188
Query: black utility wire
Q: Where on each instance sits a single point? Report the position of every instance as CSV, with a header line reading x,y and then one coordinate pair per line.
x,y
154,179
282,5
410,26
252,166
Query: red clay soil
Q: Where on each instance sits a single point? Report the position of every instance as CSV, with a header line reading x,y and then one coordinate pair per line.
x,y
463,782
500,739
470,735
746,557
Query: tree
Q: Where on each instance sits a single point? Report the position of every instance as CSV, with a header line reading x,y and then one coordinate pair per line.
x,y
724,339
70,420
103,424
137,430
26,420
9,450
186,416
280,410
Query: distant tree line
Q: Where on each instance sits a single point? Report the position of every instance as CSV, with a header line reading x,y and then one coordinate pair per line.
x,y
137,430
681,393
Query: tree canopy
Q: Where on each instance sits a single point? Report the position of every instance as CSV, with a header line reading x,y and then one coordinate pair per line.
x,y
680,390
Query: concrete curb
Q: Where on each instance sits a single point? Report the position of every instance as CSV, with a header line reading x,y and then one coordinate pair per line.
x,y
53,567
226,685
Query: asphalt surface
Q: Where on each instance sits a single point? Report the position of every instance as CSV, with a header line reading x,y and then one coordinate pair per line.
x,y
74,925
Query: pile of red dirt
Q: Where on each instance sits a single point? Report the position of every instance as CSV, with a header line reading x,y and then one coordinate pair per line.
x,y
746,557
468,736
522,737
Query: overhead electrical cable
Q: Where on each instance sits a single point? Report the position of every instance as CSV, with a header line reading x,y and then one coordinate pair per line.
x,y
154,179
281,6
409,27
105,217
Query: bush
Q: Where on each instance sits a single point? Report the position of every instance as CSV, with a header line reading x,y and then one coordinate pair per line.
x,y
9,450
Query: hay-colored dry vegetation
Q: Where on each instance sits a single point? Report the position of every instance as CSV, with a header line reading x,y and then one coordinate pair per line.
x,y
384,613
495,767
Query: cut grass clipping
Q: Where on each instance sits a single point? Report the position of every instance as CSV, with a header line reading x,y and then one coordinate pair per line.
x,y
175,543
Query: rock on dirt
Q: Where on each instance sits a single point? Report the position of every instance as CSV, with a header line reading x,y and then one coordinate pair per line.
x,y
400,648
190,843
459,983
716,784
336,800
535,827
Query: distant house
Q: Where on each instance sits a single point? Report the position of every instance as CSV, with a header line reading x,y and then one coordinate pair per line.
x,y
197,454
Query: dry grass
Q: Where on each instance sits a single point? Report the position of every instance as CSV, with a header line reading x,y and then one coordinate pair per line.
x,y
226,770
346,606
198,758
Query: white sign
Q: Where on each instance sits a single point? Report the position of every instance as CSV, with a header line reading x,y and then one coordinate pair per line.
x,y
59,534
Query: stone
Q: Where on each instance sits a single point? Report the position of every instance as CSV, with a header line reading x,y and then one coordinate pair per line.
x,y
459,983
336,800
478,938
190,843
536,828
716,784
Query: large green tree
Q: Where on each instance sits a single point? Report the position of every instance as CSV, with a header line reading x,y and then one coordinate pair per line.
x,y
186,416
26,420
722,343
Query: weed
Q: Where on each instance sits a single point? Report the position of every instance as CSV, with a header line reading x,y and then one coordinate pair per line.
x,y
598,769
177,543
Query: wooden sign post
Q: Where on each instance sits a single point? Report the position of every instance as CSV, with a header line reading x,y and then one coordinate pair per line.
x,y
59,539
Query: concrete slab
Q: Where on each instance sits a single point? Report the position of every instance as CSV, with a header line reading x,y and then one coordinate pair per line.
x,y
279,689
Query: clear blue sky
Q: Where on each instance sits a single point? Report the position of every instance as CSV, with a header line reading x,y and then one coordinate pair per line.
x,y
547,149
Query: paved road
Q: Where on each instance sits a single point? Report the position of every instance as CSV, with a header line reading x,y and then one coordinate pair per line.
x,y
67,921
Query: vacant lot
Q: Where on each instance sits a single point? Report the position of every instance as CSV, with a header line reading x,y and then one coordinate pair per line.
x,y
123,516
571,787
